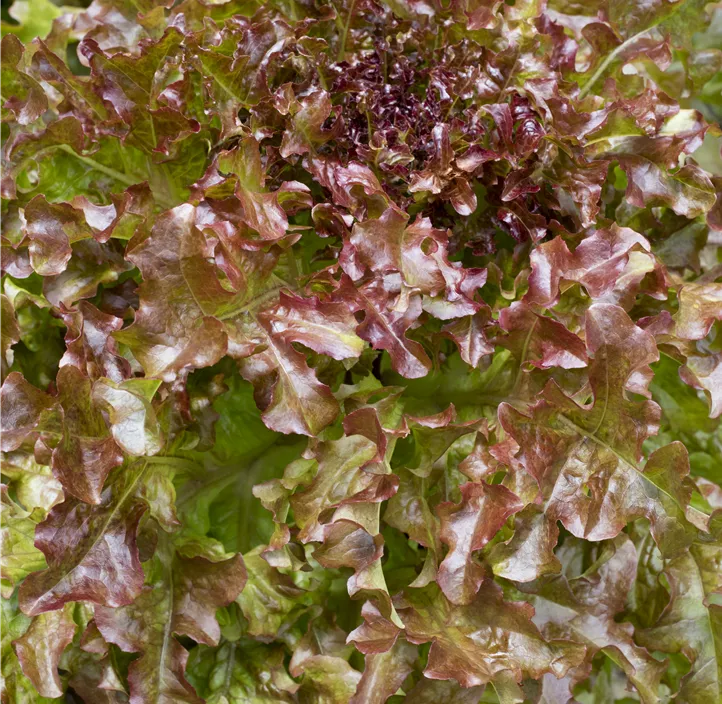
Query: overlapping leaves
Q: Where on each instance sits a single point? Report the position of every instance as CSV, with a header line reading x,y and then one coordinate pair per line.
x,y
360,352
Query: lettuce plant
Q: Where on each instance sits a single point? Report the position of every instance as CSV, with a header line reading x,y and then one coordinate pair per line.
x,y
361,352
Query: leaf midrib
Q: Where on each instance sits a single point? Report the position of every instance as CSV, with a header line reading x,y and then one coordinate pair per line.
x,y
98,538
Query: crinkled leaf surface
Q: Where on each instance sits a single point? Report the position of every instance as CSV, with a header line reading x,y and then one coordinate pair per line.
x,y
361,352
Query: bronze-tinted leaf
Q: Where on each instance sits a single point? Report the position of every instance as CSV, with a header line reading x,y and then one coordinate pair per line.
x,y
583,608
51,229
699,306
597,263
689,191
457,653
174,327
705,372
413,304
91,552
40,648
86,452
288,392
386,320
183,600
306,130
384,673
89,345
133,422
467,527
539,340
598,447
348,544
23,408
470,337
339,477
529,553
10,331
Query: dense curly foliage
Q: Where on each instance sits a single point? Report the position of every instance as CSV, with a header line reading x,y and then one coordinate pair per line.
x,y
361,352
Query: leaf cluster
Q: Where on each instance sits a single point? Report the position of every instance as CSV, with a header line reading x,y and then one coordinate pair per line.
x,y
361,351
